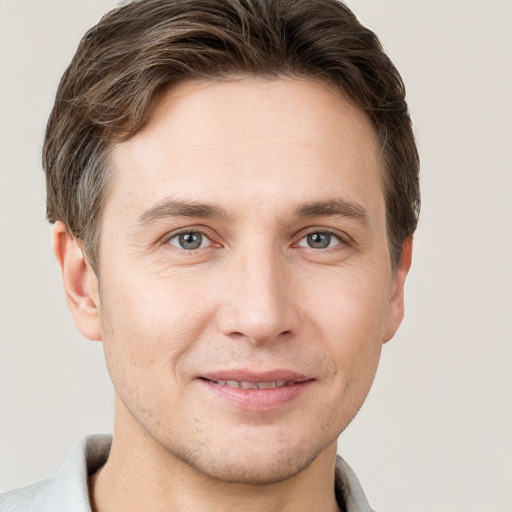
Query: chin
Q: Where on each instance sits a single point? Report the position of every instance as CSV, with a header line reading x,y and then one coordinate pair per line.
x,y
258,464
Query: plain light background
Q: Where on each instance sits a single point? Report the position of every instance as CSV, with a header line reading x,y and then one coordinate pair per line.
x,y
436,432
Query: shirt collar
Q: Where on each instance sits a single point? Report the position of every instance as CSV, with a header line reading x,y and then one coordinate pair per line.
x,y
72,480
349,492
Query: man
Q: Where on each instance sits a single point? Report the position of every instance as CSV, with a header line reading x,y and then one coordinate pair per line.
x,y
234,187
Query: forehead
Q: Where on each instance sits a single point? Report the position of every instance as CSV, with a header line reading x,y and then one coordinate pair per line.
x,y
243,140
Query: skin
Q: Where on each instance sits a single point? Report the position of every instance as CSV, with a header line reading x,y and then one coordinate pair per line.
x,y
254,296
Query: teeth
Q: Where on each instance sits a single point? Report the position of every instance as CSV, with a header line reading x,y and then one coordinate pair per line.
x,y
255,385
267,385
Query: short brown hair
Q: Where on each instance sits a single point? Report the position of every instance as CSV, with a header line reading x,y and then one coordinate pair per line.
x,y
139,50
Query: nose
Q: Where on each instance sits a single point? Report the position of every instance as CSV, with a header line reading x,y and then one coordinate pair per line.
x,y
258,302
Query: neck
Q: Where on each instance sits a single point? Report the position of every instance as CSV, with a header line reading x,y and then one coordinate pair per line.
x,y
141,475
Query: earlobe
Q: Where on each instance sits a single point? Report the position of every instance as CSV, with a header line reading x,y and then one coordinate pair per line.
x,y
79,281
396,304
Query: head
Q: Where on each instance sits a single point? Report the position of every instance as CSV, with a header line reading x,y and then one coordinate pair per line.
x,y
139,51
243,181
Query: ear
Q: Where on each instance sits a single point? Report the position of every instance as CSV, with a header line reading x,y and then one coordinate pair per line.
x,y
80,282
396,304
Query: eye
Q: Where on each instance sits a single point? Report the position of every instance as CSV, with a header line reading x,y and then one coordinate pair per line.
x,y
189,240
319,240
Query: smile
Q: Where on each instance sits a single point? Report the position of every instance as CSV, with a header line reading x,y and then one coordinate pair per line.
x,y
256,391
255,385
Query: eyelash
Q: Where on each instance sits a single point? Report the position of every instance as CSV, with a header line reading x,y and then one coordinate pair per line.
x,y
167,239
342,238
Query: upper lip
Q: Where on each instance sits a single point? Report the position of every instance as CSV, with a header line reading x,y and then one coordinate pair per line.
x,y
242,375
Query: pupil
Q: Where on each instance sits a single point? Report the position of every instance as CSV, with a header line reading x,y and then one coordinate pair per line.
x,y
319,240
190,240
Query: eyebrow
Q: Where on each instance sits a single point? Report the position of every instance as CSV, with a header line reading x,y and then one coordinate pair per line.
x,y
177,208
192,209
333,207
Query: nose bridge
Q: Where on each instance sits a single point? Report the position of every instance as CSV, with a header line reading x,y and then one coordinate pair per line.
x,y
257,304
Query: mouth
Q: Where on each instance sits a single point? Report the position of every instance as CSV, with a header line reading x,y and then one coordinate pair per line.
x,y
245,384
256,391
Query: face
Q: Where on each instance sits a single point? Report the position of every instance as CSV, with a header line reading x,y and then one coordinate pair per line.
x,y
245,277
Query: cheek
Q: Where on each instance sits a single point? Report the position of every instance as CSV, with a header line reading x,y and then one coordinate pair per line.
x,y
350,316
148,325
352,304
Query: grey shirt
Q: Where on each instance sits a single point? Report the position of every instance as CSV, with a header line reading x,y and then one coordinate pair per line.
x,y
68,490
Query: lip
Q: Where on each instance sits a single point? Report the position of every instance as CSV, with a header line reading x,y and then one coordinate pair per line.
x,y
256,399
252,376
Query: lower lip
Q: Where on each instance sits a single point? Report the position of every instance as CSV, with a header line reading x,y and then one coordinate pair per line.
x,y
258,399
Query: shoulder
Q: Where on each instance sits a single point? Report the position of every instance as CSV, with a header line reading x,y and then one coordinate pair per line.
x,y
68,490
33,498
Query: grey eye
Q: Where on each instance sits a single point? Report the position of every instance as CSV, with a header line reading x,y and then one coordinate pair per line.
x,y
189,240
319,240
